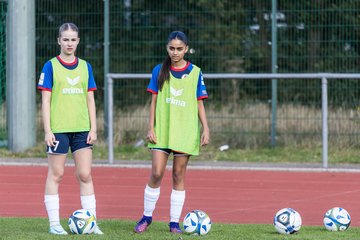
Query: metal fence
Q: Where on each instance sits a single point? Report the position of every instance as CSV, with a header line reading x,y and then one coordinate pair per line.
x,y
3,8
283,122
227,36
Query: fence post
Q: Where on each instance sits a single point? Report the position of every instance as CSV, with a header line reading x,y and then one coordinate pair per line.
x,y
273,70
106,62
324,111
110,130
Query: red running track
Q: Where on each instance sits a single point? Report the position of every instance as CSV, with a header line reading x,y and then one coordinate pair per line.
x,y
228,196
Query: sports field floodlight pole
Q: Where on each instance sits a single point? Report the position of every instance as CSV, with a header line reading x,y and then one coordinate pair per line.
x,y
20,75
324,96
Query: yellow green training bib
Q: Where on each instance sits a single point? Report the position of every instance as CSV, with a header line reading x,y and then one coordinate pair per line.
x,y
176,118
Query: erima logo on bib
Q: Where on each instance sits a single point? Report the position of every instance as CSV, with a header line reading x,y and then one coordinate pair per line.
x,y
72,90
176,93
74,81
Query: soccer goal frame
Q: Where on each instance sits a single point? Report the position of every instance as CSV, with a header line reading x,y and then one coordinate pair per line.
x,y
323,77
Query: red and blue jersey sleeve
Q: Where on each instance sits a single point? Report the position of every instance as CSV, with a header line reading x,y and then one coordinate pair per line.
x,y
153,85
201,88
46,78
91,84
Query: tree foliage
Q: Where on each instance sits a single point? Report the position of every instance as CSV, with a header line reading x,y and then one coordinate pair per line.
x,y
227,36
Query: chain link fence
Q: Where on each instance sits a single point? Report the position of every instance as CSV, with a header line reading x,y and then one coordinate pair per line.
x,y
3,8
227,36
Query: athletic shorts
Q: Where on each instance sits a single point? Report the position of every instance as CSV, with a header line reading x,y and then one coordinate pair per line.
x,y
64,141
169,151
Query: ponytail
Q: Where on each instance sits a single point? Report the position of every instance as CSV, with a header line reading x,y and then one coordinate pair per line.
x,y
164,72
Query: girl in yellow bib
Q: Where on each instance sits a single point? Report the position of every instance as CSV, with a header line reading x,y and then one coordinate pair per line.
x,y
176,111
68,108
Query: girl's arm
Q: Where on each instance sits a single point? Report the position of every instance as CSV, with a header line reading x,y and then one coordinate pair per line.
x,y
205,136
151,133
45,108
92,136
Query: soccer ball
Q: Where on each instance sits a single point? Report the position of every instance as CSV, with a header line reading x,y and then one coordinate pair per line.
x,y
197,222
287,221
337,219
82,222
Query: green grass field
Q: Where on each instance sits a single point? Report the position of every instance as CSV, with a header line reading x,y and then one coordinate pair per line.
x,y
36,228
311,155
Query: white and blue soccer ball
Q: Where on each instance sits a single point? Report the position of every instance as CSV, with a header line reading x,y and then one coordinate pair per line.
x,y
197,222
287,221
82,222
337,219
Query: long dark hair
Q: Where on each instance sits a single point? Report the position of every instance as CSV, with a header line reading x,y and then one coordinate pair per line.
x,y
165,68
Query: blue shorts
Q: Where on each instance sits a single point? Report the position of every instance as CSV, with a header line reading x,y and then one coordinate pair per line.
x,y
64,141
169,151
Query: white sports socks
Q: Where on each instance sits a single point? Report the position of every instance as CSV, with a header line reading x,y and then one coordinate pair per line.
x,y
89,203
151,196
52,208
177,200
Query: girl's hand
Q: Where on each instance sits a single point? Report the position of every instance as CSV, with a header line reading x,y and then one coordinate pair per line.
x,y
205,138
50,139
151,136
92,137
